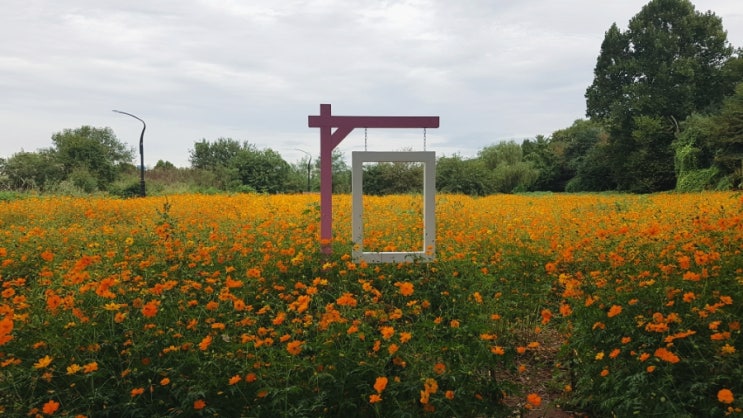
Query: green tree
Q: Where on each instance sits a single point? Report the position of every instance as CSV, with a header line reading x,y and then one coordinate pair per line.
x,y
693,157
262,170
727,143
89,153
212,155
302,176
547,158
241,166
32,170
397,177
463,176
508,172
668,64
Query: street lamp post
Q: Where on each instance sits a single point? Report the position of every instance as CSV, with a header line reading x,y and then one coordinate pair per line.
x,y
309,166
141,152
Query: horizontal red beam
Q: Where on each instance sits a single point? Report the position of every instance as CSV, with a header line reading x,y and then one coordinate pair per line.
x,y
373,121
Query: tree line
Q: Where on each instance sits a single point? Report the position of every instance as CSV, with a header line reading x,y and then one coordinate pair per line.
x,y
664,112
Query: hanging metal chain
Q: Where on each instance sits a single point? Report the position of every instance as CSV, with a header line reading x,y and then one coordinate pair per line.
x,y
424,139
365,139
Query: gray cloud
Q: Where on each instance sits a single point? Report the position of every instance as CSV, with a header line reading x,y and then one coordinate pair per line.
x,y
255,70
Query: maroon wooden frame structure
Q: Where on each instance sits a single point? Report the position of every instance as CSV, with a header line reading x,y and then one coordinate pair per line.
x,y
330,138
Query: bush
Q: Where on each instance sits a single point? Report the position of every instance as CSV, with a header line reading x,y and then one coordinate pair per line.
x,y
696,180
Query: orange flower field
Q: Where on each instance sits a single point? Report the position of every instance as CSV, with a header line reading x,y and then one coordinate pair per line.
x,y
196,305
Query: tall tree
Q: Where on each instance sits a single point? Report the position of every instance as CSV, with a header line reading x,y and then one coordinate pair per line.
x,y
728,139
93,151
668,64
210,155
262,170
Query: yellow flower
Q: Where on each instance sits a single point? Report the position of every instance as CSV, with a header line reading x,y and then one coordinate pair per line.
x,y
43,362
73,368
727,349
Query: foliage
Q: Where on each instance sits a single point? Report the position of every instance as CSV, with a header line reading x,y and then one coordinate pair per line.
x,y
466,176
393,178
667,65
241,167
90,155
728,140
697,180
31,170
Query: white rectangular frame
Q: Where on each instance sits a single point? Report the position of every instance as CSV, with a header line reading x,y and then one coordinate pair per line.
x,y
428,252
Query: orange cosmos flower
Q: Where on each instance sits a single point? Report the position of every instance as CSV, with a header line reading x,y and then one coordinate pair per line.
x,y
50,407
725,396
205,343
199,404
666,355
546,316
294,347
347,299
406,288
251,377
498,350
374,398
136,392
380,384
150,309
234,380
614,311
454,323
533,400
90,367
449,394
430,385
47,256
387,332
439,368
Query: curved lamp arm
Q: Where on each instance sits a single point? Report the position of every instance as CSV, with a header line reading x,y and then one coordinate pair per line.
x,y
141,151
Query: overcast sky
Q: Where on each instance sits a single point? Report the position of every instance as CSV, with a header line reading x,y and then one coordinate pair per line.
x,y
253,70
